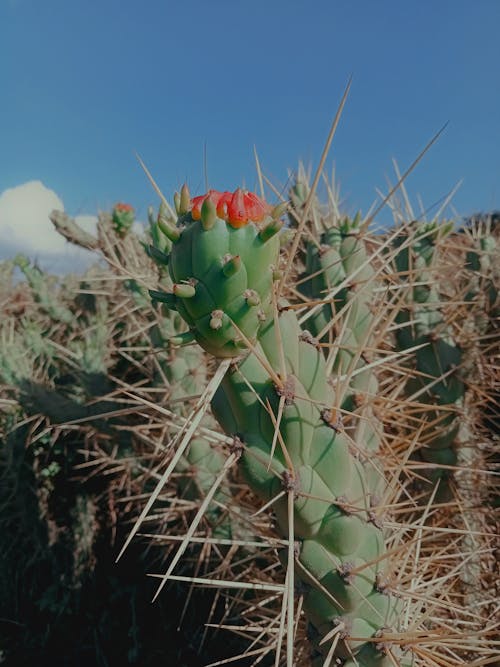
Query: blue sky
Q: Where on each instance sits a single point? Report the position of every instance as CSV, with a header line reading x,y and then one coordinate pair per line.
x,y
87,83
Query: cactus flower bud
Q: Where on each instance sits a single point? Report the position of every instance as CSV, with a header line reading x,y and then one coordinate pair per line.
x,y
237,208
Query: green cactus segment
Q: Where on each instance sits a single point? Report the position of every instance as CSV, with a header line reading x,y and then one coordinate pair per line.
x,y
483,297
483,265
222,279
67,227
340,554
437,381
340,270
123,217
340,267
334,522
161,244
44,289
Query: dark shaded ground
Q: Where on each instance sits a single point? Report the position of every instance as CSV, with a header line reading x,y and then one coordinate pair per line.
x,y
64,602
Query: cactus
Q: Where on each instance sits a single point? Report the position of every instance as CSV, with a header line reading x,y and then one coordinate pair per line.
x,y
219,267
339,282
283,389
444,277
44,290
123,217
340,551
477,324
482,291
71,231
437,383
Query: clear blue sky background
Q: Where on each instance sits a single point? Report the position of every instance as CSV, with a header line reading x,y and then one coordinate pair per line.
x,y
86,83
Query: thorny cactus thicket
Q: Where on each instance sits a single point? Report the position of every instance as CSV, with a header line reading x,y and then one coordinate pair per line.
x,y
353,376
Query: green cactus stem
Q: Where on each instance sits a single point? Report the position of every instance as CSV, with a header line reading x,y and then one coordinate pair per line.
x,y
339,280
123,217
338,529
43,290
339,555
437,380
67,227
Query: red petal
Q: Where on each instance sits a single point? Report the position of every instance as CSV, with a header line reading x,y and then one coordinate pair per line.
x,y
236,213
123,207
236,208
197,202
222,204
256,208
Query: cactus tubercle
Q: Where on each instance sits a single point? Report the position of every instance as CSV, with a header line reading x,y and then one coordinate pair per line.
x,y
171,232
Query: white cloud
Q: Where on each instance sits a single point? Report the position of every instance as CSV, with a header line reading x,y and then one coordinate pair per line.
x,y
25,227
87,223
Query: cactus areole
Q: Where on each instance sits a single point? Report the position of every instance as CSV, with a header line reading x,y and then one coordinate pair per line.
x,y
222,263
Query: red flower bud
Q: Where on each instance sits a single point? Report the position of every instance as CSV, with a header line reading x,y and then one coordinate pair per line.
x,y
237,208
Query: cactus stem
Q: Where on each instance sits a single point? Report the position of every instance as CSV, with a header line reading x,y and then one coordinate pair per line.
x,y
290,580
260,358
277,434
